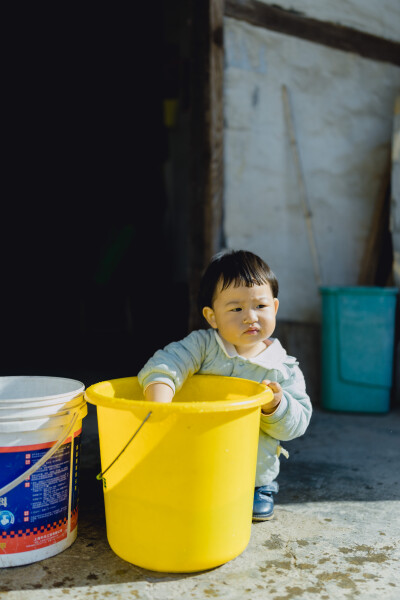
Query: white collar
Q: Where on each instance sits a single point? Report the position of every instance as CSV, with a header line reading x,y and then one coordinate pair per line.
x,y
273,357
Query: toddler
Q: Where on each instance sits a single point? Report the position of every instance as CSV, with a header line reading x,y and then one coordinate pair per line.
x,y
238,297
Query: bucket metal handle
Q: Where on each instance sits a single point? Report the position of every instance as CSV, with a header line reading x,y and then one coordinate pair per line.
x,y
100,476
65,433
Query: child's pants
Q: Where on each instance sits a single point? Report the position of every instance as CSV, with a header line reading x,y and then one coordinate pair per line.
x,y
268,463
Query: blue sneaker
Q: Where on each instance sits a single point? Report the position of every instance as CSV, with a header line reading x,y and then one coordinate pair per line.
x,y
263,505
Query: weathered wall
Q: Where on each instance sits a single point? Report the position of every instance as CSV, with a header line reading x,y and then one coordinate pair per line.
x,y
343,115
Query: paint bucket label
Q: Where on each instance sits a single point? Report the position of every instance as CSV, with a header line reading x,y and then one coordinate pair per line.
x,y
35,514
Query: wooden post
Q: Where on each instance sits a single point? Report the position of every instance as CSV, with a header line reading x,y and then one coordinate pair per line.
x,y
291,22
207,142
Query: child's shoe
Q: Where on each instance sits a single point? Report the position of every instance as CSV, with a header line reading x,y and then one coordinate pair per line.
x,y
263,505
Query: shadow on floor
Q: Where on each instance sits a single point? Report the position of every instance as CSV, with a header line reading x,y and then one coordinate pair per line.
x,y
342,458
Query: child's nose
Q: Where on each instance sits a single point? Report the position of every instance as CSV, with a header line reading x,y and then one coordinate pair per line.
x,y
250,316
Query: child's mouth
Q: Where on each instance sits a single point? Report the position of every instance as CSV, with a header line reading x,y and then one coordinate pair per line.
x,y
252,330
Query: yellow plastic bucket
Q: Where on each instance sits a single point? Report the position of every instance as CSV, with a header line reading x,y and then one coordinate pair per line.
x,y
179,497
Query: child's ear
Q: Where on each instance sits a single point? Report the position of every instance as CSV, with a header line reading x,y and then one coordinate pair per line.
x,y
209,316
276,303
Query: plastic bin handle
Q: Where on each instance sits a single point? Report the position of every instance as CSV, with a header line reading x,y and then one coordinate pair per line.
x,y
65,433
100,476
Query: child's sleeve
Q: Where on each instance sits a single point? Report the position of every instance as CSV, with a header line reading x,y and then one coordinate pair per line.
x,y
176,362
291,418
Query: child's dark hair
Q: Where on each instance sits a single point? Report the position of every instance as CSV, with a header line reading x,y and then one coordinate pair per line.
x,y
237,267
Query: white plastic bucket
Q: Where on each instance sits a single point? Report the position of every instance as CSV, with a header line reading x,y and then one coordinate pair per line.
x,y
40,434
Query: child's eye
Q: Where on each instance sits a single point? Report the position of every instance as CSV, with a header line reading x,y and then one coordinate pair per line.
x,y
237,309
262,306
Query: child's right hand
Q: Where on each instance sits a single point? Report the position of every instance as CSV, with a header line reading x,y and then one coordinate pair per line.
x,y
268,409
159,392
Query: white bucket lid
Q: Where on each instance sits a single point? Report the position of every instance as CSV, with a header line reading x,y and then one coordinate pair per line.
x,y
35,424
56,404
34,388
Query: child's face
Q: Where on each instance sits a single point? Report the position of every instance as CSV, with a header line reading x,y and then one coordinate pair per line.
x,y
244,316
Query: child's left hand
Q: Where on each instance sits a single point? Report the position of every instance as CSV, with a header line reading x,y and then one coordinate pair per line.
x,y
268,409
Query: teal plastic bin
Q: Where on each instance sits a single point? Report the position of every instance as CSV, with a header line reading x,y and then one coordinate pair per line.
x,y
358,326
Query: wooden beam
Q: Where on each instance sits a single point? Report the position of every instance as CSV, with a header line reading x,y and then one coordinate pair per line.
x,y
207,141
299,25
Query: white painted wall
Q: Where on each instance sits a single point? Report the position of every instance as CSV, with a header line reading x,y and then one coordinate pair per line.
x,y
343,112
378,17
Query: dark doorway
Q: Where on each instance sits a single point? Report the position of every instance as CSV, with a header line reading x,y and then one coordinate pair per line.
x,y
89,237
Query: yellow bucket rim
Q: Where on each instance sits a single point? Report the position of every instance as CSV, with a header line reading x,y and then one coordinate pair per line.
x,y
261,396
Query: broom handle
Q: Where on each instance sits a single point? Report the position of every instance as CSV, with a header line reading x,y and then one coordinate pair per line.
x,y
302,186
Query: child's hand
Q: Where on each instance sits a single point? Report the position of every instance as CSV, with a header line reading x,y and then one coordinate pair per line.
x,y
159,392
269,408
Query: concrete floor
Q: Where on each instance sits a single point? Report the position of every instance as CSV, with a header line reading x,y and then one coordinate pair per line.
x,y
336,532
